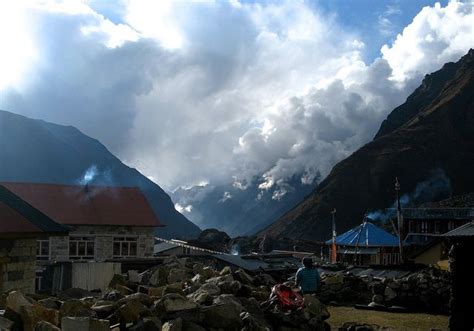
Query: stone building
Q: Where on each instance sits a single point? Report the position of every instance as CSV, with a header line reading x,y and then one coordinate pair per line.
x,y
104,223
20,226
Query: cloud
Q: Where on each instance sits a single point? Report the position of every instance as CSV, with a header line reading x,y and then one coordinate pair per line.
x,y
217,92
437,35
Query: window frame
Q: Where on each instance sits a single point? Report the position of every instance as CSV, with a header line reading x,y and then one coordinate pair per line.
x,y
125,243
39,246
77,240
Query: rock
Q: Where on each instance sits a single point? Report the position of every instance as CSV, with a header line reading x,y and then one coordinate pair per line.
x,y
117,279
376,305
124,290
252,324
264,279
174,325
337,278
377,288
200,297
389,294
76,308
377,298
5,324
159,277
231,287
104,308
15,300
228,299
225,316
394,285
147,324
198,268
74,293
190,326
113,295
45,326
175,302
51,303
131,311
226,271
243,277
315,308
208,272
133,276
84,324
32,314
176,275
141,297
210,288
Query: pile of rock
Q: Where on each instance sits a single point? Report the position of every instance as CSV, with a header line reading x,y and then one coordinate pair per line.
x,y
178,295
343,289
426,291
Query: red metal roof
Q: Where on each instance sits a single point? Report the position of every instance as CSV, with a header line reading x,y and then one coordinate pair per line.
x,y
88,205
13,222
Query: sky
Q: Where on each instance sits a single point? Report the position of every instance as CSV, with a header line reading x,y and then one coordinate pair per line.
x,y
224,91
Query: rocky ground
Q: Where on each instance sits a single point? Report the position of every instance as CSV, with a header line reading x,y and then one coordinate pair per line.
x,y
183,294
178,295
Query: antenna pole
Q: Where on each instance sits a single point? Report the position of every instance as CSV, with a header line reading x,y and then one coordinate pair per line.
x,y
400,221
333,248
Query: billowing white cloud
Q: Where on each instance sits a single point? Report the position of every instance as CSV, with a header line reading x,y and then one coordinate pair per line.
x,y
437,35
217,92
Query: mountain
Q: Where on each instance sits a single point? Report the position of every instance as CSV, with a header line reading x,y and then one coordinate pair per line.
x,y
235,210
432,132
38,151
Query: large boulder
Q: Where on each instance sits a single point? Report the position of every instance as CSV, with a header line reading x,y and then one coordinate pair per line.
x,y
84,324
5,324
177,275
132,311
175,302
32,314
76,308
173,325
314,308
225,316
45,326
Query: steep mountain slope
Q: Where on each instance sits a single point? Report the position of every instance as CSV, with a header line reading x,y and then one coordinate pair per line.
x,y
38,151
432,130
236,211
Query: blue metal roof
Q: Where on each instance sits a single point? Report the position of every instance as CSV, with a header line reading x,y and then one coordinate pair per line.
x,y
366,235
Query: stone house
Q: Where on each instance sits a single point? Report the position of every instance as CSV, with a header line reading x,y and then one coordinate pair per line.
x,y
104,223
20,227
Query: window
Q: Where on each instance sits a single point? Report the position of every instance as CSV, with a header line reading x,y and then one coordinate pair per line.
x,y
81,248
42,249
424,226
386,259
125,246
395,258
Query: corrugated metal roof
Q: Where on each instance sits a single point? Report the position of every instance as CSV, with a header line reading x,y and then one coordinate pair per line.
x,y
466,230
163,247
437,213
246,264
87,205
366,235
17,216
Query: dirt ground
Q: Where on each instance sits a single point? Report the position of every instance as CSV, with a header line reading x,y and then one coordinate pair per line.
x,y
395,321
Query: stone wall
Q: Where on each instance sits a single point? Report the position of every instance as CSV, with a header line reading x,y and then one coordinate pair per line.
x,y
104,240
17,265
426,290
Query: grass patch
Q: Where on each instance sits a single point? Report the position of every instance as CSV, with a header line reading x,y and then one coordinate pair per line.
x,y
396,321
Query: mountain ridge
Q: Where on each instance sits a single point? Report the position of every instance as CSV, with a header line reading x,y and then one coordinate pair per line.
x,y
433,129
38,151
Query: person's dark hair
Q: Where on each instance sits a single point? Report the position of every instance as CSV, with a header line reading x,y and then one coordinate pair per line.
x,y
308,262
